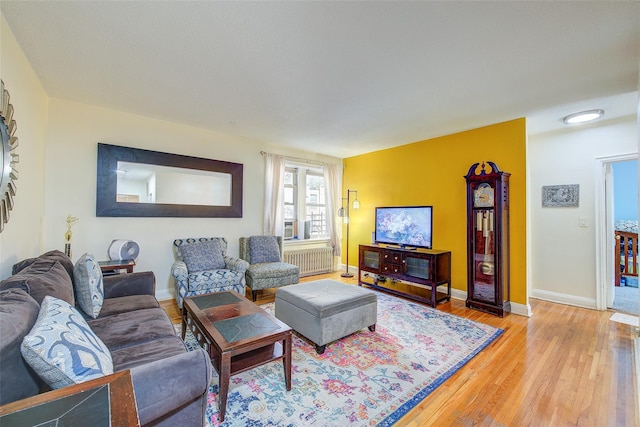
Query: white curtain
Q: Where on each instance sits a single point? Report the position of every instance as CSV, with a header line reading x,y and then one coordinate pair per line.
x,y
332,174
273,224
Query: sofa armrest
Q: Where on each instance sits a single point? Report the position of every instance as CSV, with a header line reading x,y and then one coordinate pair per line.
x,y
236,264
122,285
166,385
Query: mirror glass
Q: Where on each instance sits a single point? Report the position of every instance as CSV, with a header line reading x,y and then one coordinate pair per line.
x,y
140,183
136,182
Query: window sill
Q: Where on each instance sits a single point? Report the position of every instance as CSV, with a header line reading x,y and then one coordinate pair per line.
x,y
291,243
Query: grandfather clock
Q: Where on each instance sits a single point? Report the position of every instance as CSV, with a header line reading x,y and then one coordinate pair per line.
x,y
488,239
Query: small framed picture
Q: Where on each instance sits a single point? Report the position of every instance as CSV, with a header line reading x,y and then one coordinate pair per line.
x,y
561,196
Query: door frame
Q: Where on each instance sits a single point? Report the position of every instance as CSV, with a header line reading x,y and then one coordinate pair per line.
x,y
604,224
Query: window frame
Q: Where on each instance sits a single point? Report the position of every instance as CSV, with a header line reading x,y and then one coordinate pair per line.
x,y
300,200
295,188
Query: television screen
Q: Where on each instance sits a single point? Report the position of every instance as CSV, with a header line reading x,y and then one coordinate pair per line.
x,y
404,225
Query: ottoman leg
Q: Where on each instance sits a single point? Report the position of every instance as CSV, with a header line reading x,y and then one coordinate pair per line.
x,y
372,328
320,348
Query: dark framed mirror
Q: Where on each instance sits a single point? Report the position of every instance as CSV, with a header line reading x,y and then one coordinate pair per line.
x,y
135,182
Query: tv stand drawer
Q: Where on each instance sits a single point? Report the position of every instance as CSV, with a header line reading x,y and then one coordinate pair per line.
x,y
391,268
392,257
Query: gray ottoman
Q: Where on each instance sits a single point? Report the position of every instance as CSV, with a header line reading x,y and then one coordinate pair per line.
x,y
326,310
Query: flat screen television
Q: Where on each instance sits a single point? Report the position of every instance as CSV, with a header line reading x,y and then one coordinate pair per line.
x,y
406,226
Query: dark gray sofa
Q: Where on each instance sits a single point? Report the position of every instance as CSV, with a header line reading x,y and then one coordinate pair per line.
x,y
170,383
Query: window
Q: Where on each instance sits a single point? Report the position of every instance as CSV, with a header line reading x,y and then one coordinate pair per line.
x,y
305,209
315,206
290,193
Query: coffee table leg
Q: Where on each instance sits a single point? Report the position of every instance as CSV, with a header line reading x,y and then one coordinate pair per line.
x,y
223,381
184,323
287,361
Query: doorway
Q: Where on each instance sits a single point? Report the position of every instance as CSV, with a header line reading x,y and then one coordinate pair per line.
x,y
625,206
616,208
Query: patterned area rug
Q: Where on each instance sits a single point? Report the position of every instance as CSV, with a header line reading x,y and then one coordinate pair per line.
x,y
366,379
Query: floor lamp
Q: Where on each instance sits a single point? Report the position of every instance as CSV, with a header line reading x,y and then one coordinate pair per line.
x,y
345,215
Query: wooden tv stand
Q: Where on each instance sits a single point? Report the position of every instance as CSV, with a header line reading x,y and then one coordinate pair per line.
x,y
414,274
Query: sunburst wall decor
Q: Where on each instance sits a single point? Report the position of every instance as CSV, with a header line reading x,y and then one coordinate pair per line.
x,y
9,156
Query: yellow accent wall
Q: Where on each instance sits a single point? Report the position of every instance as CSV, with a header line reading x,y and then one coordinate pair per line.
x,y
431,172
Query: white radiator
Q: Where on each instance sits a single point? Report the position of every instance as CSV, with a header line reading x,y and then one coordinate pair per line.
x,y
311,261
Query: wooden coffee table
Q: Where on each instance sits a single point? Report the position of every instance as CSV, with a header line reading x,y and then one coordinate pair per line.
x,y
237,334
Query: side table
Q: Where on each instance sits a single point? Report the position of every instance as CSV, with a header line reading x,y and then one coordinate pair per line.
x,y
116,266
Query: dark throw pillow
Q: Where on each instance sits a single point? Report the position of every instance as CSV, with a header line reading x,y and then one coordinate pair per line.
x,y
45,276
18,313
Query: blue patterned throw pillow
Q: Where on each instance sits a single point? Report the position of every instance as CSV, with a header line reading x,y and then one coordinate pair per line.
x,y
62,349
88,285
202,256
264,249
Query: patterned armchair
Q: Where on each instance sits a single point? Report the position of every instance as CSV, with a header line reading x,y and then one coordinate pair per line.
x,y
266,269
202,266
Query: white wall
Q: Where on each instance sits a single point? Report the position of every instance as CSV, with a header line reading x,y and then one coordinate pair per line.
x,y
563,254
22,235
71,151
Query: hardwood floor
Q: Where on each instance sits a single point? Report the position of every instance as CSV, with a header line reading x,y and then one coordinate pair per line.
x,y
564,366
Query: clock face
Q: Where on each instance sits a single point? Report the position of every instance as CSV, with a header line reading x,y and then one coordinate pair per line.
x,y
483,196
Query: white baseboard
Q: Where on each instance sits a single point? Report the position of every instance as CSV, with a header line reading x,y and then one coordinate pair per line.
x,y
564,298
519,309
458,294
164,294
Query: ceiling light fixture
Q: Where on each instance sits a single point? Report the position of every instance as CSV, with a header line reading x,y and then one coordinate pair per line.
x,y
583,117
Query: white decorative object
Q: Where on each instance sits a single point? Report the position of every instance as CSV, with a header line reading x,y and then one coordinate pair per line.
x,y
121,249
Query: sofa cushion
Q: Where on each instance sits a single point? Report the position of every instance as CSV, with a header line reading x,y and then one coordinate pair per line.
x,y
264,249
140,354
272,270
132,328
61,347
126,304
203,256
41,278
88,285
63,258
54,255
18,313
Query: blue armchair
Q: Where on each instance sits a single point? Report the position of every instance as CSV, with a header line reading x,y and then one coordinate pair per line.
x,y
202,266
266,269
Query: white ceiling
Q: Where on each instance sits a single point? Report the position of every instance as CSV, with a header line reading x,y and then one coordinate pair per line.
x,y
336,78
